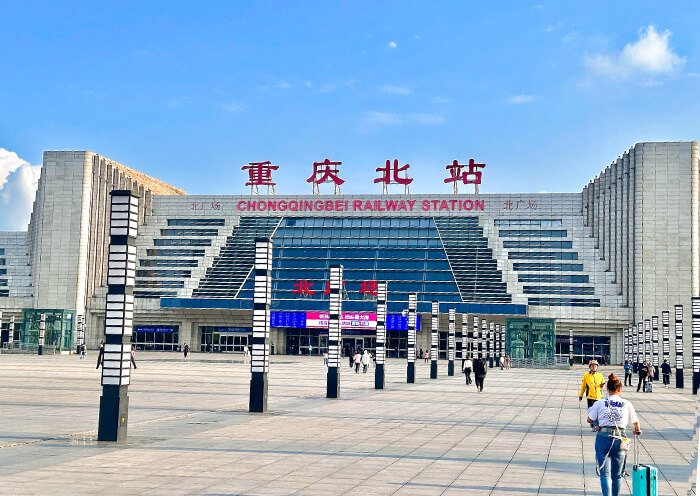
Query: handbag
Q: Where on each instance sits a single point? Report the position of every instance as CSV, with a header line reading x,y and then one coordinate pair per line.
x,y
625,442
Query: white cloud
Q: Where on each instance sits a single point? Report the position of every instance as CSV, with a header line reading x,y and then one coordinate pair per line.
x,y
441,99
308,84
284,85
395,90
392,44
375,120
651,54
521,99
569,37
18,183
233,107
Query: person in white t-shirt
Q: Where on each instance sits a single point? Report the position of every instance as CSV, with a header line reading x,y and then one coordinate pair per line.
x,y
611,416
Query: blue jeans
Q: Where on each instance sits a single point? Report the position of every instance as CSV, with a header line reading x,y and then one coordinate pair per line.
x,y
611,465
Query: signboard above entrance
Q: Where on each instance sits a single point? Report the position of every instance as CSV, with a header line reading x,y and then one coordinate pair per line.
x,y
356,321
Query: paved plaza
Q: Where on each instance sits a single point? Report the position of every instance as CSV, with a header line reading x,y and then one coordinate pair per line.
x,y
190,432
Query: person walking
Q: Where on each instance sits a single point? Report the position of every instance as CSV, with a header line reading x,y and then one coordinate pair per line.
x,y
100,354
628,373
643,371
365,361
479,373
467,370
591,384
133,356
356,360
246,354
325,358
507,361
83,351
612,415
351,357
186,351
666,373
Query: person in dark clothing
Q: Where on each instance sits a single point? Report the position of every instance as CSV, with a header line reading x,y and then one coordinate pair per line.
x,y
479,374
628,373
666,373
100,354
643,371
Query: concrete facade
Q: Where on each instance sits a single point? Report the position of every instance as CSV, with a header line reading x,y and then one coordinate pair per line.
x,y
634,229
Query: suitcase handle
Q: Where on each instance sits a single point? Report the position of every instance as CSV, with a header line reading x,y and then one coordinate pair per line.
x,y
636,451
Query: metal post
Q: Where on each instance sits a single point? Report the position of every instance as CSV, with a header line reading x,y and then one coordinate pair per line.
x,y
666,336
411,339
655,344
695,312
434,338
42,333
380,353
678,314
335,306
451,342
119,314
260,346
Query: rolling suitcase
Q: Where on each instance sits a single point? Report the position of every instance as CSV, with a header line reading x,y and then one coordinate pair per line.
x,y
648,387
643,476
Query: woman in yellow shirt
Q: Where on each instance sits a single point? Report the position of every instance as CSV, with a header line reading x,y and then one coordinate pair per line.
x,y
592,381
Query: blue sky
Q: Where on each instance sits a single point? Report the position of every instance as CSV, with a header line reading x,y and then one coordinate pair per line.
x,y
544,93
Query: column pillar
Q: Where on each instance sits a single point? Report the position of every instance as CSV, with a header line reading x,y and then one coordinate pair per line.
x,y
335,306
473,345
380,353
260,344
434,338
411,339
119,314
451,342
678,314
489,343
635,347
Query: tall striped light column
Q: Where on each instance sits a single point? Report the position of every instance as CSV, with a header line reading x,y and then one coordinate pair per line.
x,y
380,353
655,344
119,314
624,345
678,315
635,348
666,336
0,320
42,333
411,339
496,345
647,340
473,345
695,312
503,341
11,334
434,338
490,343
459,349
482,339
260,347
465,335
571,347
335,306
451,342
